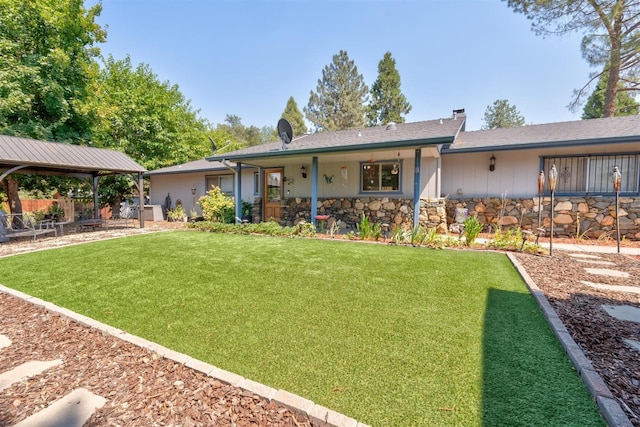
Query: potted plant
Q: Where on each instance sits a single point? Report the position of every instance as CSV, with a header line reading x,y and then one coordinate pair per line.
x,y
247,208
55,212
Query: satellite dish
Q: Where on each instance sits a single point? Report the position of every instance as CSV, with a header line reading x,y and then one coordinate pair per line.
x,y
213,145
285,131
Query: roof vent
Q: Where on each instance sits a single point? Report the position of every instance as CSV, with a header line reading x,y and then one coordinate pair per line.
x,y
359,133
440,121
391,126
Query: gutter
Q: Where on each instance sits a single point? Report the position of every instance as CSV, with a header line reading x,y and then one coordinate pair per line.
x,y
534,145
335,149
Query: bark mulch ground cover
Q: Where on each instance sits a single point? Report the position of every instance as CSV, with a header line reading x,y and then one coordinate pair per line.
x,y
144,389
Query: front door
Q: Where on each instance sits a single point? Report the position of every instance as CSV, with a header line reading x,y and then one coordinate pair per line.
x,y
272,194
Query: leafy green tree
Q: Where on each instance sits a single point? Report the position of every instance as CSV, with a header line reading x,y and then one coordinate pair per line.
x,y
293,115
340,97
388,104
47,51
611,40
502,115
242,135
149,120
626,105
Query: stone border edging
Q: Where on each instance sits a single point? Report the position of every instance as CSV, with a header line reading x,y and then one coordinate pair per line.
x,y
609,407
318,414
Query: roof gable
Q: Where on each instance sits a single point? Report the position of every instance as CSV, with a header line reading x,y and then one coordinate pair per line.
x,y
405,134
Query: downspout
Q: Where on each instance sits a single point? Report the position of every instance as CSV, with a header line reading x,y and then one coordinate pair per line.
x,y
314,189
239,197
416,187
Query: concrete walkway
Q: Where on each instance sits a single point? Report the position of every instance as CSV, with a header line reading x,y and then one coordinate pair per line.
x,y
591,248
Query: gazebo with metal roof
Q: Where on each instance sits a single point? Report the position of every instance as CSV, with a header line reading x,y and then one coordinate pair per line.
x,y
33,157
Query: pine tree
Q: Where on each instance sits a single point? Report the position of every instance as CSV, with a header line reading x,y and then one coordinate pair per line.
x,y
293,115
502,115
626,105
340,97
388,104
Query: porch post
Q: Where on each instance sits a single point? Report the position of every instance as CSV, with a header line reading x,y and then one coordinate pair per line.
x,y
314,189
416,187
239,192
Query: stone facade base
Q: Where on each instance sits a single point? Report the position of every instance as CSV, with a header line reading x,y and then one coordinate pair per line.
x,y
590,216
348,211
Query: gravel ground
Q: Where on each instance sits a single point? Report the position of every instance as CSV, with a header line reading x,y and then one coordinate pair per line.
x,y
143,389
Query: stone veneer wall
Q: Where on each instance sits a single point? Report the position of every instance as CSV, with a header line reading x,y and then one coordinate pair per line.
x,y
590,216
349,211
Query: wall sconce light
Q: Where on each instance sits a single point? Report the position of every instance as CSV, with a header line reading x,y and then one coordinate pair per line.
x,y
492,163
193,190
303,172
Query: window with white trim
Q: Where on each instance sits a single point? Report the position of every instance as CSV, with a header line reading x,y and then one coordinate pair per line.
x,y
256,183
594,174
380,177
225,182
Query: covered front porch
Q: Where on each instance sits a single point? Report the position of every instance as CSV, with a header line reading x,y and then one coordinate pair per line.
x,y
393,187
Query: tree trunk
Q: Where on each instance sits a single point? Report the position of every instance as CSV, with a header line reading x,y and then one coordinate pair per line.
x,y
10,186
614,70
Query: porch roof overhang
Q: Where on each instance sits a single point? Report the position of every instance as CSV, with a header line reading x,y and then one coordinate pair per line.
x,y
433,133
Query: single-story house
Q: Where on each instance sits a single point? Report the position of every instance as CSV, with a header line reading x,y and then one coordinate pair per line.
x,y
419,173
184,184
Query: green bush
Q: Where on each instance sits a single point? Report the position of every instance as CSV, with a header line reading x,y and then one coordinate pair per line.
x,y
369,230
217,206
472,228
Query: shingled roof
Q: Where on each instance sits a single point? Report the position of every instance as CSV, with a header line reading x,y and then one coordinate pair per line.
x,y
416,134
580,132
200,165
40,156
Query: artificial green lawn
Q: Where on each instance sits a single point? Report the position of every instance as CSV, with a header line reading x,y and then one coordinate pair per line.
x,y
388,335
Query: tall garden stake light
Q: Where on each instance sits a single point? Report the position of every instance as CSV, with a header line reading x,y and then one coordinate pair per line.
x,y
553,177
617,181
540,191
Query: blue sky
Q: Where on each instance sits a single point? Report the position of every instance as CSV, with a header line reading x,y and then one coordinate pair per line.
x,y
247,57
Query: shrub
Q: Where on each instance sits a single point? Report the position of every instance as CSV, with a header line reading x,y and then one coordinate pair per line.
x,y
368,230
217,206
472,227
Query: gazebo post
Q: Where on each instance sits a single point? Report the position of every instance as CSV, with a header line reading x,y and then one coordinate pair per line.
x,y
141,193
96,197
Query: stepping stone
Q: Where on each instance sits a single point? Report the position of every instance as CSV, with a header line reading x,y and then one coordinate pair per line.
x,y
623,312
606,272
594,262
73,410
632,343
630,289
585,256
4,341
26,370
